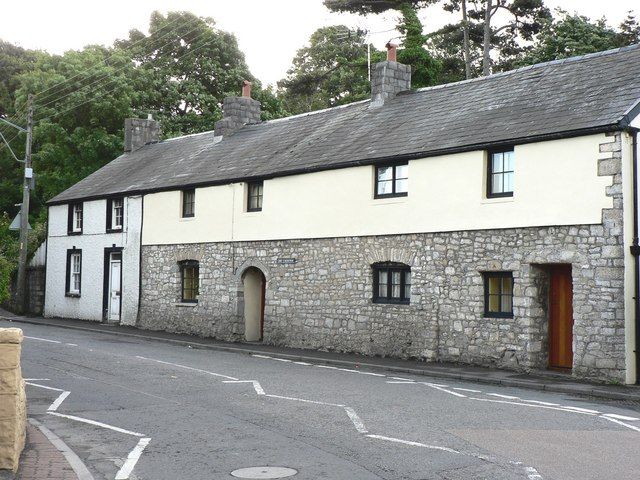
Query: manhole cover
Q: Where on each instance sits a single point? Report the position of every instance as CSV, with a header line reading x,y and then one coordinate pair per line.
x,y
264,472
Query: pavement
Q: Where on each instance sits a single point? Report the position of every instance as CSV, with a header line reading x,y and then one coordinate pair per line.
x,y
533,379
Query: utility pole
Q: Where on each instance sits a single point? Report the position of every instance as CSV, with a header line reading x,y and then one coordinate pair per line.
x,y
21,296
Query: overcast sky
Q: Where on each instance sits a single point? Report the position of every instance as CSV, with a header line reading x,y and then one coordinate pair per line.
x,y
269,31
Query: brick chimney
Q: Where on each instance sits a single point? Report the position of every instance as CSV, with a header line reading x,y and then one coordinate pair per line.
x,y
238,111
389,78
139,132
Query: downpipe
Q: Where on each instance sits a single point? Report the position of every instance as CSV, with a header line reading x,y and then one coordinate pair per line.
x,y
635,250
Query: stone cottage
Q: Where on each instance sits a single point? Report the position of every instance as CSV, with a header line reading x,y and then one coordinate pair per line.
x,y
490,221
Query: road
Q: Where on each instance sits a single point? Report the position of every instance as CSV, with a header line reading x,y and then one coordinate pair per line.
x,y
141,409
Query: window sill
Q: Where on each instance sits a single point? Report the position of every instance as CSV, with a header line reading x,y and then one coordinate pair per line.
x,y
498,315
72,295
75,233
185,304
389,200
489,200
114,230
390,302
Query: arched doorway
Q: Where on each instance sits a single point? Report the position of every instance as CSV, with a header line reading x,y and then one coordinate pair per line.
x,y
254,283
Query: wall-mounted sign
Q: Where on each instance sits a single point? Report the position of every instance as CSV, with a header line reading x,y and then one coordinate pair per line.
x,y
287,261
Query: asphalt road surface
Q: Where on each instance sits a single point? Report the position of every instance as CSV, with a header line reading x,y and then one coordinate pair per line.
x,y
142,409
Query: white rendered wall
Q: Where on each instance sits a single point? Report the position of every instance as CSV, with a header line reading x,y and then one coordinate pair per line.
x,y
93,242
556,183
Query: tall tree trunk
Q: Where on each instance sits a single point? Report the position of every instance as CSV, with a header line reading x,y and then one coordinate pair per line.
x,y
486,58
467,54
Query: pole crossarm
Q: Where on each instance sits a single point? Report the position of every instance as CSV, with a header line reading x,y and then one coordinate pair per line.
x,y
4,120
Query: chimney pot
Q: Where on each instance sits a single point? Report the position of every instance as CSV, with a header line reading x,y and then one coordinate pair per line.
x,y
392,52
139,132
246,88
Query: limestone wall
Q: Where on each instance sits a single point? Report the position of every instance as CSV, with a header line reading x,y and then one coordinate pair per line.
x,y
12,399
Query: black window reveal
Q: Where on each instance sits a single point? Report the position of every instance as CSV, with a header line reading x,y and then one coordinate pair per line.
x,y
254,196
392,180
498,294
115,214
188,203
73,280
190,280
500,174
391,282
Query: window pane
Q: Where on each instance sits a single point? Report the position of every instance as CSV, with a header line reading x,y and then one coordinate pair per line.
x,y
508,161
494,285
402,186
507,286
402,171
253,202
395,291
407,284
382,283
395,278
497,162
494,303
385,173
385,187
508,182
506,302
496,183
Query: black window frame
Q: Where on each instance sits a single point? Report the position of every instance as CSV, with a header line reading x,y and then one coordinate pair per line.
x,y
390,268
490,172
185,193
501,313
67,290
109,216
260,197
184,265
71,218
394,179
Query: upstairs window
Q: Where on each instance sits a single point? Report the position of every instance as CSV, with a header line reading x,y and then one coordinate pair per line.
x,y
498,294
74,273
500,174
190,280
74,222
392,180
254,196
115,214
391,282
188,203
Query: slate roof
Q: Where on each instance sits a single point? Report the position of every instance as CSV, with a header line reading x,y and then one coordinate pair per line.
x,y
580,95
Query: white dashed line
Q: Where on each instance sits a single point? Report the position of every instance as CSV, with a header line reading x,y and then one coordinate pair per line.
x,y
632,427
532,473
442,389
256,385
71,344
372,374
187,368
45,387
470,390
305,401
355,419
97,424
620,417
413,444
54,406
281,359
259,356
508,397
402,378
329,367
42,339
538,402
37,380
302,363
582,410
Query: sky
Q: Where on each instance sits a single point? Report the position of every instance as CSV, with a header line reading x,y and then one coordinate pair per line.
x,y
269,31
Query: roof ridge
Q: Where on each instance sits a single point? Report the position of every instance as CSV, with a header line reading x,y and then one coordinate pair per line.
x,y
530,67
315,112
186,136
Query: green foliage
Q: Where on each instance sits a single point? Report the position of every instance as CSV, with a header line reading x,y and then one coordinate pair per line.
x,y
8,256
570,35
330,71
365,7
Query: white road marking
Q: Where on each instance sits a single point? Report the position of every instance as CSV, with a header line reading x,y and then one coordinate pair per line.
x,y
508,397
372,374
578,409
42,339
45,387
400,382
620,417
58,401
302,363
281,359
37,379
442,389
402,378
132,459
97,424
80,469
327,366
414,444
632,427
532,473
305,401
187,368
562,409
259,356
256,385
72,344
549,404
467,390
355,419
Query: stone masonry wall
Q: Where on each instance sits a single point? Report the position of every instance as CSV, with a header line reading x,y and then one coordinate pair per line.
x,y
323,300
36,280
13,411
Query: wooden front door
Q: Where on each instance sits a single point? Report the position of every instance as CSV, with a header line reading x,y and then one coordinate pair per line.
x,y
560,317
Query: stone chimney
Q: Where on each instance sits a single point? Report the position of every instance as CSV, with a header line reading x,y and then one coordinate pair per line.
x,y
389,78
238,111
139,132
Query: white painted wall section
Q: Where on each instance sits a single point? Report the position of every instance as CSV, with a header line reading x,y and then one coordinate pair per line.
x,y
93,241
556,183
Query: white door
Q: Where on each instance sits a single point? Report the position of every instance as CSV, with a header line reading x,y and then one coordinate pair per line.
x,y
115,264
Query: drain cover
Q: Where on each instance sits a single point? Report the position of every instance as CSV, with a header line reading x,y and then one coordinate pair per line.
x,y
264,472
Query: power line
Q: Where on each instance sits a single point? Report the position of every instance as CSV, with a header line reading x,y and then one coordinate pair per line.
x,y
103,60
106,75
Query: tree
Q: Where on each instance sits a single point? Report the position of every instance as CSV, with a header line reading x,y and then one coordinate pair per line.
x,y
571,35
425,70
330,71
629,30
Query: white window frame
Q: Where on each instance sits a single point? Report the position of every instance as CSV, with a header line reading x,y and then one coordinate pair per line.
x,y
75,273
114,213
77,218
